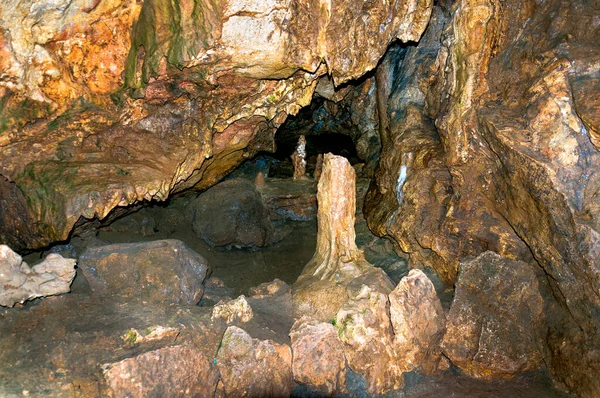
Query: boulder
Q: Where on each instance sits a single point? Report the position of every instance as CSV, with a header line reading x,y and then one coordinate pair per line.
x,y
496,326
231,213
365,327
319,361
252,367
19,282
163,271
419,323
178,371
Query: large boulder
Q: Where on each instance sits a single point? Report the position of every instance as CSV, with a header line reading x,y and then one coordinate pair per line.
x,y
19,282
496,325
365,327
163,271
231,213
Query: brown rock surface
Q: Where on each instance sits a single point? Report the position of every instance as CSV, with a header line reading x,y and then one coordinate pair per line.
x,y
320,290
231,213
158,272
418,321
318,356
365,327
252,367
496,323
146,100
497,105
177,371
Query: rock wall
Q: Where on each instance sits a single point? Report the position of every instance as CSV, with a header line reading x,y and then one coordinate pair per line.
x,y
108,103
489,143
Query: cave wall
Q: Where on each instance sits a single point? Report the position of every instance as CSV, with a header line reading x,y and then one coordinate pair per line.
x,y
487,145
108,103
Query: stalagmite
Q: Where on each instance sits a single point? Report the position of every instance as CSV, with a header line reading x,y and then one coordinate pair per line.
x,y
337,265
299,159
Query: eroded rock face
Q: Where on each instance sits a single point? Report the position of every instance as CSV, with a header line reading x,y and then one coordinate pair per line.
x,y
489,144
418,321
496,323
19,282
319,361
178,100
163,271
252,367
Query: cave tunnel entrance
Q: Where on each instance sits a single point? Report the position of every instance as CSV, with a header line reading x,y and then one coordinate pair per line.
x,y
252,232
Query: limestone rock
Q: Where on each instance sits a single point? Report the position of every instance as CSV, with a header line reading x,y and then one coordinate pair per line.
x,y
215,291
321,289
164,271
365,327
19,282
418,322
319,361
496,323
252,367
237,310
275,287
178,371
232,213
159,98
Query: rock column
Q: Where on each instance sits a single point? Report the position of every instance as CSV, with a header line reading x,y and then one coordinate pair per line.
x,y
322,288
299,159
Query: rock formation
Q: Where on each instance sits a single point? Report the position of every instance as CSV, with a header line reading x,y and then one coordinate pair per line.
x,y
184,94
321,289
159,272
419,323
252,367
19,282
299,159
496,322
231,214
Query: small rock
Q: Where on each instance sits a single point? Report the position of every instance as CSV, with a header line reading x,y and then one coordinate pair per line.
x,y
496,321
237,310
319,362
252,367
19,282
419,323
215,291
275,287
178,371
163,271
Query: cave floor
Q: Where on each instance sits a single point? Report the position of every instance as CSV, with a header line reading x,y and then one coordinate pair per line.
x,y
57,346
